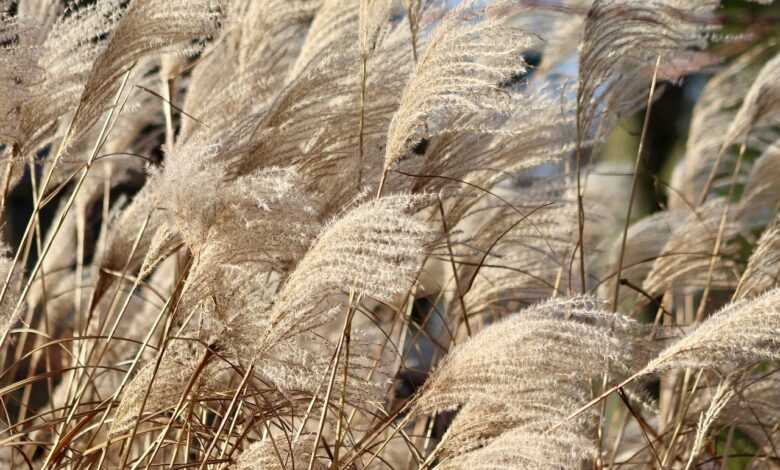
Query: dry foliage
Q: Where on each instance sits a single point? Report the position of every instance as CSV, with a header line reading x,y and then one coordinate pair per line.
x,y
359,236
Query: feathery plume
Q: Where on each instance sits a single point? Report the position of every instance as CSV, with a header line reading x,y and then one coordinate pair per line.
x,y
277,315
762,102
375,249
762,272
533,347
373,18
759,202
122,234
157,389
450,86
742,333
148,26
713,115
758,395
414,9
528,447
539,129
44,12
271,205
646,240
684,261
336,21
622,40
278,453
163,244
258,47
720,399
55,56
529,254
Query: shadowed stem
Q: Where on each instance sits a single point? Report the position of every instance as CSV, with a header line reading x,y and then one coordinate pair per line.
x,y
136,359
413,25
634,183
228,412
460,291
81,390
345,333
182,399
363,81
9,169
69,203
719,238
171,303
